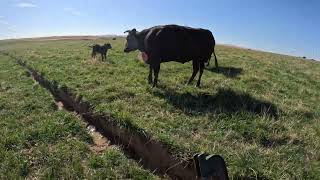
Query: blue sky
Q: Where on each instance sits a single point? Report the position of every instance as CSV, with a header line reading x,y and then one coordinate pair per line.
x,y
283,26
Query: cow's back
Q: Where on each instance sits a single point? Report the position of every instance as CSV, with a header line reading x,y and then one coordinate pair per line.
x,y
96,48
182,44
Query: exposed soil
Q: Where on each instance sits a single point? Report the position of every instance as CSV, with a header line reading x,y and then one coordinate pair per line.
x,y
100,143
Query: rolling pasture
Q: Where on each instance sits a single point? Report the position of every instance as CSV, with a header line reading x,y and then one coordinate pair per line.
x,y
258,110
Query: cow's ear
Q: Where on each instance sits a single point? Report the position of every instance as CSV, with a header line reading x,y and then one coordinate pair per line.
x,y
134,31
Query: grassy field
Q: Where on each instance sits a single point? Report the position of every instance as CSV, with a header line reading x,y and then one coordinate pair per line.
x,y
259,110
38,141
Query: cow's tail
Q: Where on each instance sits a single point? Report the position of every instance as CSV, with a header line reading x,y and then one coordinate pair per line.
x,y
215,60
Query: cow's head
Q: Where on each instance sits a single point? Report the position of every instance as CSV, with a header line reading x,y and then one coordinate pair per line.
x,y
132,41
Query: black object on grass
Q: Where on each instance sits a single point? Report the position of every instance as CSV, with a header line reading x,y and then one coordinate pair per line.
x,y
210,167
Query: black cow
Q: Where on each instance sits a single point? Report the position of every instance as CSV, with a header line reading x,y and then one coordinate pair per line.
x,y
96,48
172,43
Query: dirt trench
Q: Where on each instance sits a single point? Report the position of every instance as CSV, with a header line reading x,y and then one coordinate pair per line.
x,y
150,153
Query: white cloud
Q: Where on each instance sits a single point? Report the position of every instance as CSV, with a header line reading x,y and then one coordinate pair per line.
x,y
26,5
11,29
73,11
3,22
8,26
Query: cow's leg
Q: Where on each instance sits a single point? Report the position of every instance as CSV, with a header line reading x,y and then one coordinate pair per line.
x,y
156,69
201,64
150,75
195,67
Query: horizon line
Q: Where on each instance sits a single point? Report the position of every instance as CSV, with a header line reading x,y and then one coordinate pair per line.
x,y
118,35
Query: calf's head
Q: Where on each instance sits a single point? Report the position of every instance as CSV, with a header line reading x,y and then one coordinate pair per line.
x,y
132,41
108,46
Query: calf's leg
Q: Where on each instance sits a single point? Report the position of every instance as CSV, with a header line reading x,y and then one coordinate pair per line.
x,y
105,56
93,54
195,67
102,57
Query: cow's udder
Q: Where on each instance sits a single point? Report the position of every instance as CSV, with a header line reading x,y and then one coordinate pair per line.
x,y
144,56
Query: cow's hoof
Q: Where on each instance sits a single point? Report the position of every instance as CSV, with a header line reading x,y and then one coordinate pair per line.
x,y
198,86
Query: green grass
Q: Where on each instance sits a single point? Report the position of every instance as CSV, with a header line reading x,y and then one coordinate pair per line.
x,y
260,111
39,141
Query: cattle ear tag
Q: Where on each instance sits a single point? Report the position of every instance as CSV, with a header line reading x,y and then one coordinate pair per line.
x,y
144,56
